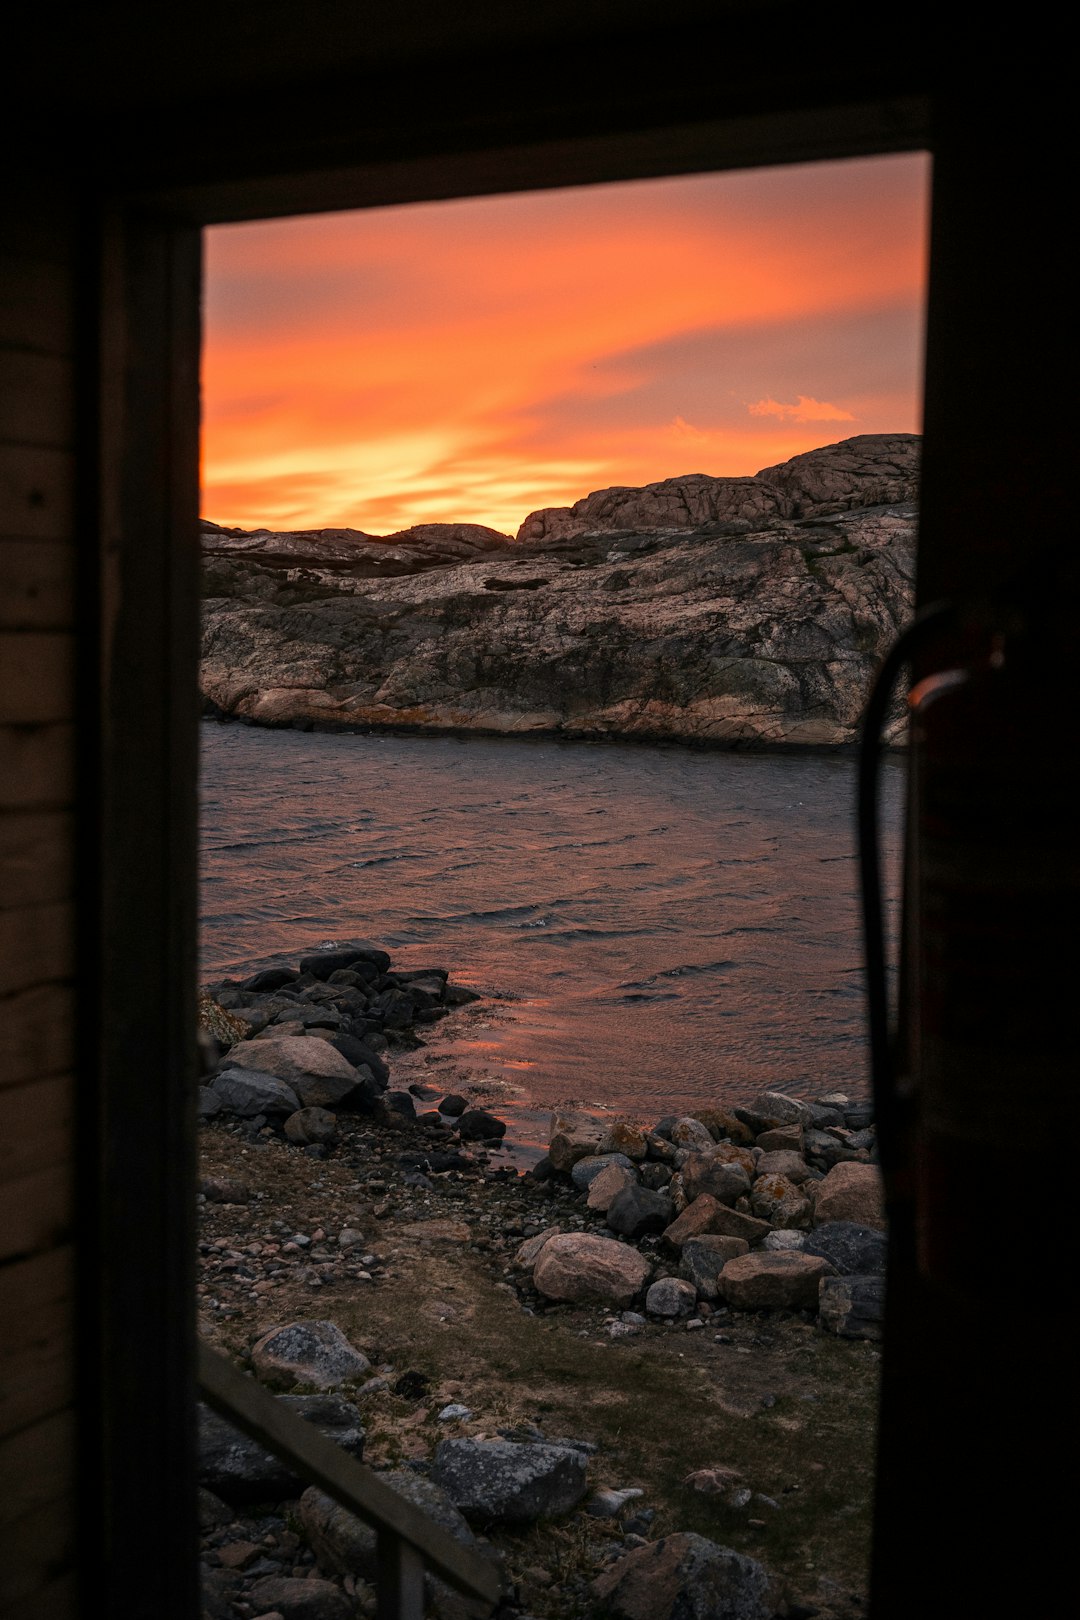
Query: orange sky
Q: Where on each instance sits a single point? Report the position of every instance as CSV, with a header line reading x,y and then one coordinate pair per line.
x,y
471,361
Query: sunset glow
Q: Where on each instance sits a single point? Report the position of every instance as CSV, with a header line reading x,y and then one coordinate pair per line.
x,y
472,361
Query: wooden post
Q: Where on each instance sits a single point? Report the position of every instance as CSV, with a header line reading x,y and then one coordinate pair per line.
x,y
401,1579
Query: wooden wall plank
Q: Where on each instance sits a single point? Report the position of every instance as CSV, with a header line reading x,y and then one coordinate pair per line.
x,y
35,304
36,857
37,1356
36,1122
37,946
36,1211
36,492
37,398
39,584
37,676
57,1601
39,765
37,1033
45,1539
37,1466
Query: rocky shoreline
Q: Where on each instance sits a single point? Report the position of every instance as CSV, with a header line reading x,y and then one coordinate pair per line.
x,y
722,612
640,1376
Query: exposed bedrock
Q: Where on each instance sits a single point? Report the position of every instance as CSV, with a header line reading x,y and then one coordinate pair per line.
x,y
734,612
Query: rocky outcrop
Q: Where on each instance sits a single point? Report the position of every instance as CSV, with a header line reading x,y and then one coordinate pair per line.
x,y
731,612
873,469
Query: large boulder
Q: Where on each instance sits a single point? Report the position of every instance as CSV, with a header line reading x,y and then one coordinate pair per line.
x,y
314,1353
500,1482
612,1180
850,1249
635,1211
706,1216
307,1598
237,1468
773,1280
686,1577
249,1091
670,1297
585,1170
621,1137
777,1200
783,1162
704,1258
315,1070
578,1267
573,1137
771,1109
346,1545
853,1307
715,1174
311,1125
687,1132
851,1192
320,964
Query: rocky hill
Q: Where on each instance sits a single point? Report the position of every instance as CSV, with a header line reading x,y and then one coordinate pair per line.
x,y
737,612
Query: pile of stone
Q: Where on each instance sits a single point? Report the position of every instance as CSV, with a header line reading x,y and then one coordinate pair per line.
x,y
776,1206
288,1047
272,1547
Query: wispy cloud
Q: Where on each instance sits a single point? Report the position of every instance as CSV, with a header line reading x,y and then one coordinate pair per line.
x,y
804,409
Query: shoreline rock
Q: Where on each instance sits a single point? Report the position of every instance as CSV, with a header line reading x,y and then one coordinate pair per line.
x,y
678,612
574,1252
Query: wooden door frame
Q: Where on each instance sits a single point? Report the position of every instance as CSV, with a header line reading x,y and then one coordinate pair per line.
x,y
138,724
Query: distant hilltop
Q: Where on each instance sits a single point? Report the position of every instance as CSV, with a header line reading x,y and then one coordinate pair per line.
x,y
731,612
871,469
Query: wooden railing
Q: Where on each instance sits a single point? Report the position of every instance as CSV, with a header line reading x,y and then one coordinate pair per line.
x,y
408,1541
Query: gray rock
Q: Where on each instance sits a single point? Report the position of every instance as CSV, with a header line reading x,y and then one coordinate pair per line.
x,y
239,1470
636,1211
713,1173
304,1599
585,1169
313,1353
247,1092
849,1248
784,1163
703,1259
853,1307
610,1504
603,1188
777,1200
477,1125
320,964
686,1577
671,1296
786,1238
346,1544
690,1133
499,1482
311,1125
208,1102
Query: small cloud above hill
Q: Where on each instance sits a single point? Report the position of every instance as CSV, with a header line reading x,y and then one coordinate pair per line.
x,y
804,410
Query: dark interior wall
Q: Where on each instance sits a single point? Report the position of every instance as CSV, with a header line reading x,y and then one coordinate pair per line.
x,y
37,955
263,108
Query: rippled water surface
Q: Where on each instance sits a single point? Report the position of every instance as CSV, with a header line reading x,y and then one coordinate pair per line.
x,y
652,927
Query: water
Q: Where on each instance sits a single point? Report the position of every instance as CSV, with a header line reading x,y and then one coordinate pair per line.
x,y
651,928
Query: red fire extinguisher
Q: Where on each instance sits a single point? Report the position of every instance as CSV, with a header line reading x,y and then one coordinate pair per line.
x,y
980,1055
